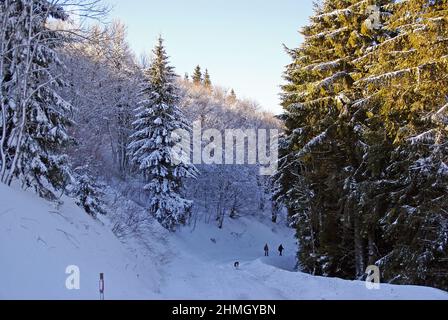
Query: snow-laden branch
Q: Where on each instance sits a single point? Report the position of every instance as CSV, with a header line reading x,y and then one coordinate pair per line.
x,y
329,81
327,34
383,78
325,66
317,140
333,14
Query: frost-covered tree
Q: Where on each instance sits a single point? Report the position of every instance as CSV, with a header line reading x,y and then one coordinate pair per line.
x,y
224,192
151,144
104,91
34,117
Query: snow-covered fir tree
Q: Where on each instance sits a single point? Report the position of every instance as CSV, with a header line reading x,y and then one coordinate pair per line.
x,y
34,117
151,144
87,192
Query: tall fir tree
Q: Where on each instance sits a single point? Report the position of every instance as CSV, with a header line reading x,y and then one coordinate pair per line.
x,y
34,117
406,95
322,150
153,141
197,76
363,171
207,80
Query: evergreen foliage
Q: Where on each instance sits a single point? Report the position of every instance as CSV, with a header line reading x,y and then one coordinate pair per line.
x,y
34,117
88,193
197,76
363,166
152,143
207,80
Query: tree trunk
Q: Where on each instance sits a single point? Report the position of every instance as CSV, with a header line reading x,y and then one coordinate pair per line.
x,y
359,258
371,247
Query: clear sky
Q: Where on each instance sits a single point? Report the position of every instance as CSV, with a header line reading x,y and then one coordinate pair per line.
x,y
239,41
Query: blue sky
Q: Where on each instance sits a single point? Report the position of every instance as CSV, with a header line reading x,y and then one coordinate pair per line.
x,y
239,41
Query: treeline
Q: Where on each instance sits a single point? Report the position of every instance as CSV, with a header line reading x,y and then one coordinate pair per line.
x,y
364,167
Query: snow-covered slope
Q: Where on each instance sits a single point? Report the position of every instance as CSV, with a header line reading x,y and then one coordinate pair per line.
x,y
38,241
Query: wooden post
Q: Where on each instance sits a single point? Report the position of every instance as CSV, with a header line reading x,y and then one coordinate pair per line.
x,y
101,286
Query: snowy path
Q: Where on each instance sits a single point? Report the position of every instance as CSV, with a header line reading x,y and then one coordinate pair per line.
x,y
203,269
203,263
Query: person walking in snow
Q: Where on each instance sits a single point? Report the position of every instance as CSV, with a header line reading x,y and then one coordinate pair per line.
x,y
266,250
280,250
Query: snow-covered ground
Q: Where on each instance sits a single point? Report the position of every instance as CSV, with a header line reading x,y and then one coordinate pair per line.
x,y
39,240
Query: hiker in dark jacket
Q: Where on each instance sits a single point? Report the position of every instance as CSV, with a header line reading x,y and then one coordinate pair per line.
x,y
280,250
266,250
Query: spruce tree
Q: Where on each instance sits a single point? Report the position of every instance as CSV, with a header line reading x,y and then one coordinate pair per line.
x,y
322,148
197,76
34,117
88,193
407,100
158,116
207,80
363,171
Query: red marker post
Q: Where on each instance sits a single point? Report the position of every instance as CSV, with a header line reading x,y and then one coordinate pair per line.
x,y
101,286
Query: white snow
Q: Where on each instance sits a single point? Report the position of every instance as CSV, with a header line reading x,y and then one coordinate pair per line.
x,y
385,77
341,12
312,143
329,35
328,82
324,66
38,241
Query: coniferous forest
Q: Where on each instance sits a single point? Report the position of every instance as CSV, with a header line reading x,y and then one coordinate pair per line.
x,y
362,174
364,157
